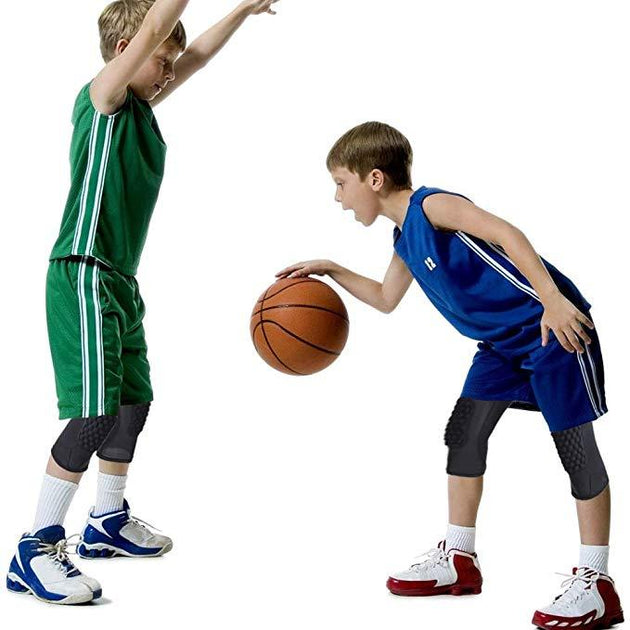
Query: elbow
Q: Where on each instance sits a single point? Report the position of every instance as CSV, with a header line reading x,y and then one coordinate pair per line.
x,y
160,21
387,307
510,235
198,58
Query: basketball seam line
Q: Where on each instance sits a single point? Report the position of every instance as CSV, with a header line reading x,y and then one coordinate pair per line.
x,y
260,323
319,308
268,297
308,343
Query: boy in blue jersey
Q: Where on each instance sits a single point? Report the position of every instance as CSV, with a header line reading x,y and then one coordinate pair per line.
x,y
538,350
95,311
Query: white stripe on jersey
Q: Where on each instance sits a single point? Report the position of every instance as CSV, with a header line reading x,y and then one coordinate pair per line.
x,y
100,185
496,266
86,183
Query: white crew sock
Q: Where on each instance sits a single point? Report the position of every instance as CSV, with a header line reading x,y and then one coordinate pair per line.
x,y
594,557
110,493
462,538
54,500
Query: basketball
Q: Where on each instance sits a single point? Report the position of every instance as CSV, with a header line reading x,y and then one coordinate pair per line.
x,y
299,325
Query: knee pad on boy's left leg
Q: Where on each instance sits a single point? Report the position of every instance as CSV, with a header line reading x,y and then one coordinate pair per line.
x,y
581,459
120,444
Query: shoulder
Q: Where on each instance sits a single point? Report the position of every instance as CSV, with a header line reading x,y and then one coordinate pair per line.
x,y
441,204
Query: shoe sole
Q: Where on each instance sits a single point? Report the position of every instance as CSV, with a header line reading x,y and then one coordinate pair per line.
x,y
608,621
18,586
456,590
101,550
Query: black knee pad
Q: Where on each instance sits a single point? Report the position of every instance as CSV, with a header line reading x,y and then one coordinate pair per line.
x,y
581,459
79,439
467,433
120,444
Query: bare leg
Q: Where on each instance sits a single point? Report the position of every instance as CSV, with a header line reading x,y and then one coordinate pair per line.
x,y
54,470
112,468
594,519
464,496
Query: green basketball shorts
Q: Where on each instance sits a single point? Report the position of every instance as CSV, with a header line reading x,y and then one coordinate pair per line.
x,y
96,338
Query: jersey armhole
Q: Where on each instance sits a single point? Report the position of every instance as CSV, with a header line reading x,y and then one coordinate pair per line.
x,y
439,192
89,98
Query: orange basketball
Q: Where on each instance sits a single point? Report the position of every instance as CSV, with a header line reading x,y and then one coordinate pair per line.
x,y
299,325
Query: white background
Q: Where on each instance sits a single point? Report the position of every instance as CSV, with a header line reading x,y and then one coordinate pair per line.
x,y
290,499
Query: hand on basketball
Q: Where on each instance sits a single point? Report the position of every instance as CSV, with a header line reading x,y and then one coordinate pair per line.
x,y
307,268
567,322
256,7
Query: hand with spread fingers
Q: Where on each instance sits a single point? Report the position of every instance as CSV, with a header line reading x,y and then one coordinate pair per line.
x,y
256,7
306,268
567,323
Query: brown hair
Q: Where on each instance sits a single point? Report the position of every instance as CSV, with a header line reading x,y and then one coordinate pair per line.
x,y
122,20
374,145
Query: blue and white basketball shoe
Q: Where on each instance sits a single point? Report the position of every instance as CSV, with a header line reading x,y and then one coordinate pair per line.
x,y
41,567
120,534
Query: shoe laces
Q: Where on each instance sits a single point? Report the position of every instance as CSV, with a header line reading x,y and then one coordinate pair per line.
x,y
59,553
576,587
143,524
434,557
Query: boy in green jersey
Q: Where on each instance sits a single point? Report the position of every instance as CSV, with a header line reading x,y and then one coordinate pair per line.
x,y
94,308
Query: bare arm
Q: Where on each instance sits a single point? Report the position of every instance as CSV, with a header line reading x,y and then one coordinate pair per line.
x,y
207,45
109,88
384,296
450,212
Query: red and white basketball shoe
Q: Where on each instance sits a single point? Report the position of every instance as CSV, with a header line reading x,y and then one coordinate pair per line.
x,y
589,602
451,572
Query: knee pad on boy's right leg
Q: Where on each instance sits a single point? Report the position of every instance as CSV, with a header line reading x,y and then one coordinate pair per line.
x,y
79,439
467,433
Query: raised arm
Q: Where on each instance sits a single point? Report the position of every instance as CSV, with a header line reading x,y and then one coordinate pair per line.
x,y
451,212
384,296
207,45
108,90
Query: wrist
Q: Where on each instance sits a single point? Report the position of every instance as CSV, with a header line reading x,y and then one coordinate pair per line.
x,y
332,267
550,294
244,9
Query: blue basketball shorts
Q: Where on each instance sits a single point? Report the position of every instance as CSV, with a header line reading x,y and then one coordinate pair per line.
x,y
567,387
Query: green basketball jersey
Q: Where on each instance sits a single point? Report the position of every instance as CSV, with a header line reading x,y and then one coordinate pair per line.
x,y
117,165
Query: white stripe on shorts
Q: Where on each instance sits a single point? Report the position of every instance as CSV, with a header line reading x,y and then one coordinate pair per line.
x,y
587,383
595,380
98,328
85,353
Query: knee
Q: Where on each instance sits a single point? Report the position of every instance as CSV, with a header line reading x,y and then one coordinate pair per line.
x,y
581,459
120,443
78,441
467,434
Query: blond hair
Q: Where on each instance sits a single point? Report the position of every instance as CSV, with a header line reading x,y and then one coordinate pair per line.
x,y
374,145
122,19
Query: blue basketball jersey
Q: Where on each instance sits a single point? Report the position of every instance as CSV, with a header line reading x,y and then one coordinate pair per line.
x,y
473,283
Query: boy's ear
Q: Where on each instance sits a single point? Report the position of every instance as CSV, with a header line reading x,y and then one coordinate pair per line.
x,y
376,179
121,44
